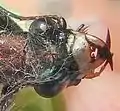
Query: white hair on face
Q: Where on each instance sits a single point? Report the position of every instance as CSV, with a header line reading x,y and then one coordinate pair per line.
x,y
59,7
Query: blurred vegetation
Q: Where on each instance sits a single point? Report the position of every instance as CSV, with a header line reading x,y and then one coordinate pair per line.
x,y
28,100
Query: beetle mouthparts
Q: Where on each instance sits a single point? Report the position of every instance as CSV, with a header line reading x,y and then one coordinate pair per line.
x,y
108,44
103,52
110,61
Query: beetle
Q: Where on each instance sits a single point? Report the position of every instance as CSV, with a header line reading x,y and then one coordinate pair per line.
x,y
49,56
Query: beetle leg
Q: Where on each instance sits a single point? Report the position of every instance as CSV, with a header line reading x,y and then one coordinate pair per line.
x,y
30,18
96,74
74,83
82,28
49,16
91,75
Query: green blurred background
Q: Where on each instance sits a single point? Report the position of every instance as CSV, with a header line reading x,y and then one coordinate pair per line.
x,y
28,100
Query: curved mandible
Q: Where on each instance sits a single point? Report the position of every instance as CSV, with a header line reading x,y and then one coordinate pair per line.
x,y
103,48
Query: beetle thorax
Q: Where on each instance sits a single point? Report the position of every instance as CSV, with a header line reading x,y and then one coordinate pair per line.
x,y
81,51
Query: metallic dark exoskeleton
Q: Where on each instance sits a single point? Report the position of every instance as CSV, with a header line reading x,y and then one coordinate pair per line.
x,y
49,56
45,52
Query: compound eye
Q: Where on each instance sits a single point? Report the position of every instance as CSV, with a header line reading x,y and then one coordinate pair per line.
x,y
43,27
38,26
49,89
